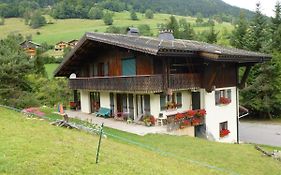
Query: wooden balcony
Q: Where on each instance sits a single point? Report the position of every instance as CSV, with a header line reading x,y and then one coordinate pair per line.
x,y
142,83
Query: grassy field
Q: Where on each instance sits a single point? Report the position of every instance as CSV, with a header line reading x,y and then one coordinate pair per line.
x,y
69,29
35,147
50,68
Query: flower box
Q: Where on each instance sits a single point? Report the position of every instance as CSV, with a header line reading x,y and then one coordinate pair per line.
x,y
224,100
224,132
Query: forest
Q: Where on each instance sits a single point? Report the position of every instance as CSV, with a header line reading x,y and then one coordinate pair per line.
x,y
80,9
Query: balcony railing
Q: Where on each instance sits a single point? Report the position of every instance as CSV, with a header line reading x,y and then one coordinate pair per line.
x,y
142,83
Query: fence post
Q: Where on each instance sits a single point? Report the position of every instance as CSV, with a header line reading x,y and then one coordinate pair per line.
x,y
98,150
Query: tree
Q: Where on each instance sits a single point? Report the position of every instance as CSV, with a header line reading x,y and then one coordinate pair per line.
x,y
212,35
199,19
263,96
133,15
144,30
14,65
149,14
186,30
238,35
276,28
95,13
107,18
174,26
37,20
256,36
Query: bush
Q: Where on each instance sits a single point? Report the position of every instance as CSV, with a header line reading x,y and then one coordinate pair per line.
x,y
37,20
114,29
107,18
134,15
149,14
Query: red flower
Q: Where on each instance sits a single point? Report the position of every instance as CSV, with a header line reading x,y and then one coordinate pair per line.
x,y
224,132
186,122
190,113
201,112
224,100
196,121
179,116
152,120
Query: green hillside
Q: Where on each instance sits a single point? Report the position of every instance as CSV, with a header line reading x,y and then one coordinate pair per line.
x,y
69,29
35,147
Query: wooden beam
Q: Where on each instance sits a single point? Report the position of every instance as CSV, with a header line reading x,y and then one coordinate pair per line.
x,y
241,84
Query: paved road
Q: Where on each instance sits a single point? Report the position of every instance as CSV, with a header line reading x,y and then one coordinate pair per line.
x,y
267,134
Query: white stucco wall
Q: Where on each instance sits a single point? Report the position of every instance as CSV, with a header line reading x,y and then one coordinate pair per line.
x,y
85,101
186,100
220,113
155,105
104,100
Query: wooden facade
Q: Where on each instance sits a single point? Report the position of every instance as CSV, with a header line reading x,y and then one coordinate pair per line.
x,y
133,63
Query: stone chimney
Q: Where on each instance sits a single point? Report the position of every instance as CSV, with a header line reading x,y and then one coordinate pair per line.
x,y
166,35
132,31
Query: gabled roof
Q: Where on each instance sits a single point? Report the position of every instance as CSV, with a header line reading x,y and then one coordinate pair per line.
x,y
28,43
160,47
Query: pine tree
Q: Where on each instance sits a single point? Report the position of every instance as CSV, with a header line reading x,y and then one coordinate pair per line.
x,y
256,35
174,26
212,35
238,35
133,15
276,28
186,30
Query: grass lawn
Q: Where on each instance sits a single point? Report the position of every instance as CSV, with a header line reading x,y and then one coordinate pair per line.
x,y
35,147
68,29
50,68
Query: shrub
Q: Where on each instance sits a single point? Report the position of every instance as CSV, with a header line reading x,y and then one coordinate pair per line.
x,y
107,18
149,14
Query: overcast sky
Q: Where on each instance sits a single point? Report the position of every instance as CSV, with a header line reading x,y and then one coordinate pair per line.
x,y
267,6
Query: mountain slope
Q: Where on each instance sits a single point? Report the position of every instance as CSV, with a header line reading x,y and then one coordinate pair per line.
x,y
189,7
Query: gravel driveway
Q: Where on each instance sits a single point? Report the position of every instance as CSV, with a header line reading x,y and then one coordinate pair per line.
x,y
268,134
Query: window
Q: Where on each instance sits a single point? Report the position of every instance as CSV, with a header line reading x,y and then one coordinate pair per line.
x,y
223,97
106,69
179,100
129,66
146,99
175,100
224,129
162,102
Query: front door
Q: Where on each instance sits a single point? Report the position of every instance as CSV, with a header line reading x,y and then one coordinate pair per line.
x,y
200,131
119,102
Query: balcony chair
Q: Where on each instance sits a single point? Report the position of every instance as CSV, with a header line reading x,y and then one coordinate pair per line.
x,y
103,112
160,119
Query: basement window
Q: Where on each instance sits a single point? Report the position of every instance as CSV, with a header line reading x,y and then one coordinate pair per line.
x,y
224,129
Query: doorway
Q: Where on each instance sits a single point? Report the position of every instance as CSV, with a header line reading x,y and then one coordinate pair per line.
x,y
200,130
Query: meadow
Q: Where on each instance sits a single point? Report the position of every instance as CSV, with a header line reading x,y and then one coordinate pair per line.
x,y
33,146
68,29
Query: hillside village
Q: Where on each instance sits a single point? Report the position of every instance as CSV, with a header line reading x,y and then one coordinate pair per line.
x,y
141,82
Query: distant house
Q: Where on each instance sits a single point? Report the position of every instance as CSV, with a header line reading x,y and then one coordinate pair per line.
x,y
61,45
30,47
171,79
72,43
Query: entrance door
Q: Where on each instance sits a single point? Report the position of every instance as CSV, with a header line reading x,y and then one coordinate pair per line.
x,y
131,106
196,100
119,103
200,131
95,101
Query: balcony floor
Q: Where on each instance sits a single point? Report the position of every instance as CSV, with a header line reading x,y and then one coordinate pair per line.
x,y
119,125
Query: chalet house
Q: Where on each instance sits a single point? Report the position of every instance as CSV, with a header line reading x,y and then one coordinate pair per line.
x,y
61,45
162,77
30,47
